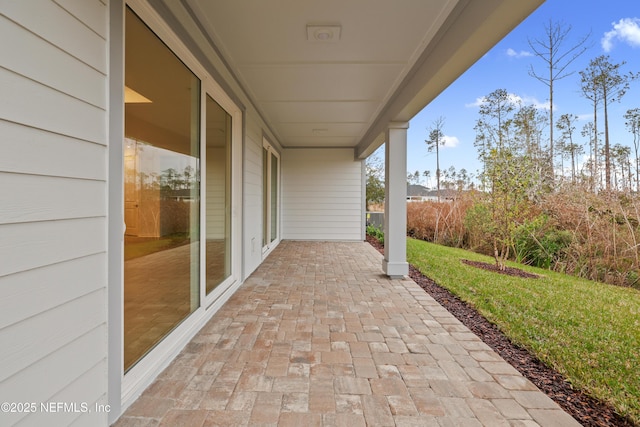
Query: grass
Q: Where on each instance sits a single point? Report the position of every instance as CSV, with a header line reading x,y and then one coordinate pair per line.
x,y
588,331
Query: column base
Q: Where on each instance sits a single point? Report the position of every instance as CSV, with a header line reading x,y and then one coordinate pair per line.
x,y
395,270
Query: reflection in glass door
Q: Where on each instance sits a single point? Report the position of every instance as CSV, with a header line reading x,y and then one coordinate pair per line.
x,y
162,194
218,195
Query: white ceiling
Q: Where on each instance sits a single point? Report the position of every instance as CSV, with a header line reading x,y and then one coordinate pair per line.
x,y
384,66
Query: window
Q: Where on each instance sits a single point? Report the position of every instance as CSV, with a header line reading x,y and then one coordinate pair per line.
x,y
270,196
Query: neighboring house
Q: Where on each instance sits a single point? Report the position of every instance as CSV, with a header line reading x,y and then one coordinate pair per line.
x,y
419,193
261,113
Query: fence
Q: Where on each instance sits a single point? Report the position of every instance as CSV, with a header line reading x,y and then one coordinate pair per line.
x,y
376,219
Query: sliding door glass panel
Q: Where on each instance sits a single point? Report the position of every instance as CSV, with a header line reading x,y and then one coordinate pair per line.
x,y
270,190
162,195
274,198
218,200
265,197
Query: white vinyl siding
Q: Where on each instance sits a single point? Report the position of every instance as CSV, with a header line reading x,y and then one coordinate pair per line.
x,y
252,195
321,195
53,204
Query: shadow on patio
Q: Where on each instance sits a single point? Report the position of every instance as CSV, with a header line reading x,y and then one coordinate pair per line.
x,y
319,336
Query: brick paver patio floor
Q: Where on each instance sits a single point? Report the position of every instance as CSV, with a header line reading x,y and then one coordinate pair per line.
x,y
319,336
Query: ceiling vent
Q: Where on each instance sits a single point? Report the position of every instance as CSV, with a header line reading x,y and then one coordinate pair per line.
x,y
323,33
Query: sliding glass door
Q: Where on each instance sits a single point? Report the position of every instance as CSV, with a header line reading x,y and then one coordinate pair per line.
x,y
270,196
218,191
177,156
162,206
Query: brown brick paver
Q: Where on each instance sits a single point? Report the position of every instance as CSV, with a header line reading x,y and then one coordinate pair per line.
x,y
319,336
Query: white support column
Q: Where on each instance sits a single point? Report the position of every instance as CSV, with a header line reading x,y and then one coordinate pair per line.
x,y
395,201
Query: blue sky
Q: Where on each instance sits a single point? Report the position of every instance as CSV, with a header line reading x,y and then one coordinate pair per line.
x,y
615,30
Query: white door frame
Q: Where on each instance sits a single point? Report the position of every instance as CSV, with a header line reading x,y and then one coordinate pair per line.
x,y
267,199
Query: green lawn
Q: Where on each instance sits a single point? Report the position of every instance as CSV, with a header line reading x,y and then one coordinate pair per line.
x,y
588,331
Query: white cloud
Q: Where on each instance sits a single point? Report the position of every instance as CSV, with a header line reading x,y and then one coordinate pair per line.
x,y
478,102
530,100
626,30
450,141
522,54
515,99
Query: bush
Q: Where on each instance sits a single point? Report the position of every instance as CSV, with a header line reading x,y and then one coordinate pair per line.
x,y
539,243
438,222
375,232
477,221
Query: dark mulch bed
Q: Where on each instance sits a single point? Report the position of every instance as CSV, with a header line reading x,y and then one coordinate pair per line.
x,y
509,271
587,410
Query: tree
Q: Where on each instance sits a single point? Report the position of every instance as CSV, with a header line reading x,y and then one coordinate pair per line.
x,y
463,179
632,117
169,179
589,131
190,177
413,178
527,124
495,112
605,80
620,160
510,176
557,57
492,128
416,177
566,125
375,180
574,150
427,175
512,179
452,175
436,139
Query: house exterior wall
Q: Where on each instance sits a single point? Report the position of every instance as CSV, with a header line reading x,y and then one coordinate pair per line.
x,y
56,217
322,194
53,171
252,194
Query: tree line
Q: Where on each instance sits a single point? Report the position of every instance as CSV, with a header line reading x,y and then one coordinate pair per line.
x,y
548,192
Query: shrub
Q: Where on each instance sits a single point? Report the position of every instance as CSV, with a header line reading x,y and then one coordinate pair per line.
x,y
375,232
478,223
439,222
539,243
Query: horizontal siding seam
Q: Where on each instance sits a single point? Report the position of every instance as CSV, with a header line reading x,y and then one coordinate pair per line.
x,y
72,178
58,47
100,289
79,20
69,218
53,132
53,263
102,397
84,101
99,325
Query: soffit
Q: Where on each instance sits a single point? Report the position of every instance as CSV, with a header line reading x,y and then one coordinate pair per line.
x,y
316,94
392,58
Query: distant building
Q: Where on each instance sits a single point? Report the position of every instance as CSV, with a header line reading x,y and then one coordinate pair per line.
x,y
420,193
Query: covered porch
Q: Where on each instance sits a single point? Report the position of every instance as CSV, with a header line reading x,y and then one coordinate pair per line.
x,y
319,335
